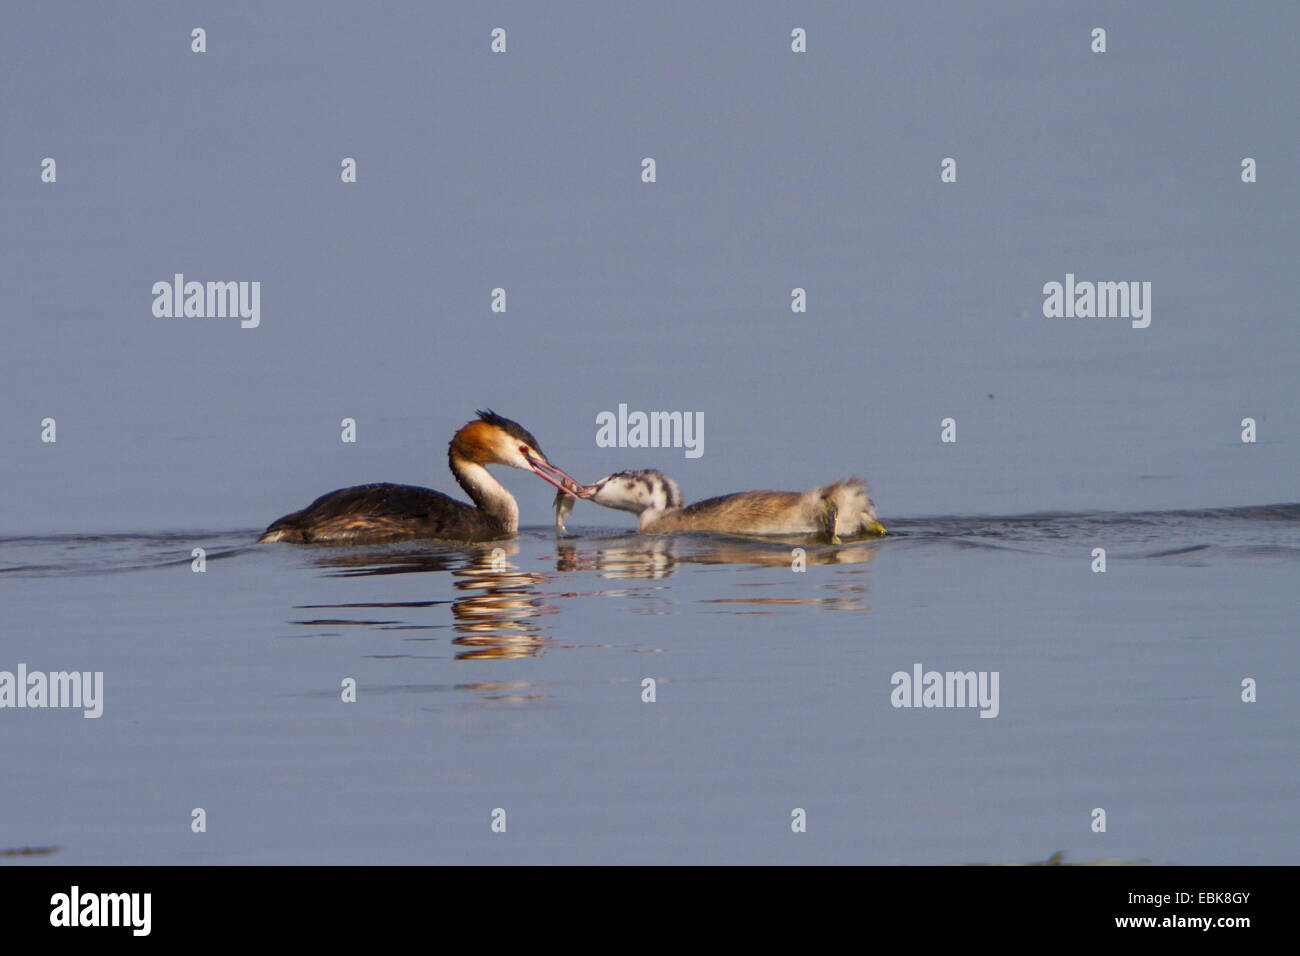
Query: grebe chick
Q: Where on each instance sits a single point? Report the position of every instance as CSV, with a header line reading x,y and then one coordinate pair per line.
x,y
385,512
839,510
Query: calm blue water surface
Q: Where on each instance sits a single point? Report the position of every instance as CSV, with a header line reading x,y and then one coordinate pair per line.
x,y
520,688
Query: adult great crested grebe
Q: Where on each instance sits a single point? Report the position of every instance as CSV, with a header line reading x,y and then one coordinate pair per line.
x,y
839,510
385,512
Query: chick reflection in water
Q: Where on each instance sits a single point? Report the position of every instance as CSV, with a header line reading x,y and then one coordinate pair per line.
x,y
647,558
656,558
660,558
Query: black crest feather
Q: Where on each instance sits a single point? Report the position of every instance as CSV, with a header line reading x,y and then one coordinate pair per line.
x,y
512,428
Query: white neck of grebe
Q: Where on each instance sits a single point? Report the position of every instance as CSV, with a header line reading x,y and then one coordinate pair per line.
x,y
487,493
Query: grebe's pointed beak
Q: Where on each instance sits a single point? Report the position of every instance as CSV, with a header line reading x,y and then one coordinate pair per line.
x,y
875,527
552,475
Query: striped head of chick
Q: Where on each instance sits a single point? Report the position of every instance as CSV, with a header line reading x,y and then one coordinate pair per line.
x,y
637,491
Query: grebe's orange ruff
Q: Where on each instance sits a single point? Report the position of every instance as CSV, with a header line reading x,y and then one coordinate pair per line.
x,y
385,512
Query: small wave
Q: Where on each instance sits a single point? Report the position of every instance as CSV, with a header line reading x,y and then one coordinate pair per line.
x,y
1269,532
79,555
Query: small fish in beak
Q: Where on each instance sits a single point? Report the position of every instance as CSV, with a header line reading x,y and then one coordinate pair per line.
x,y
552,475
